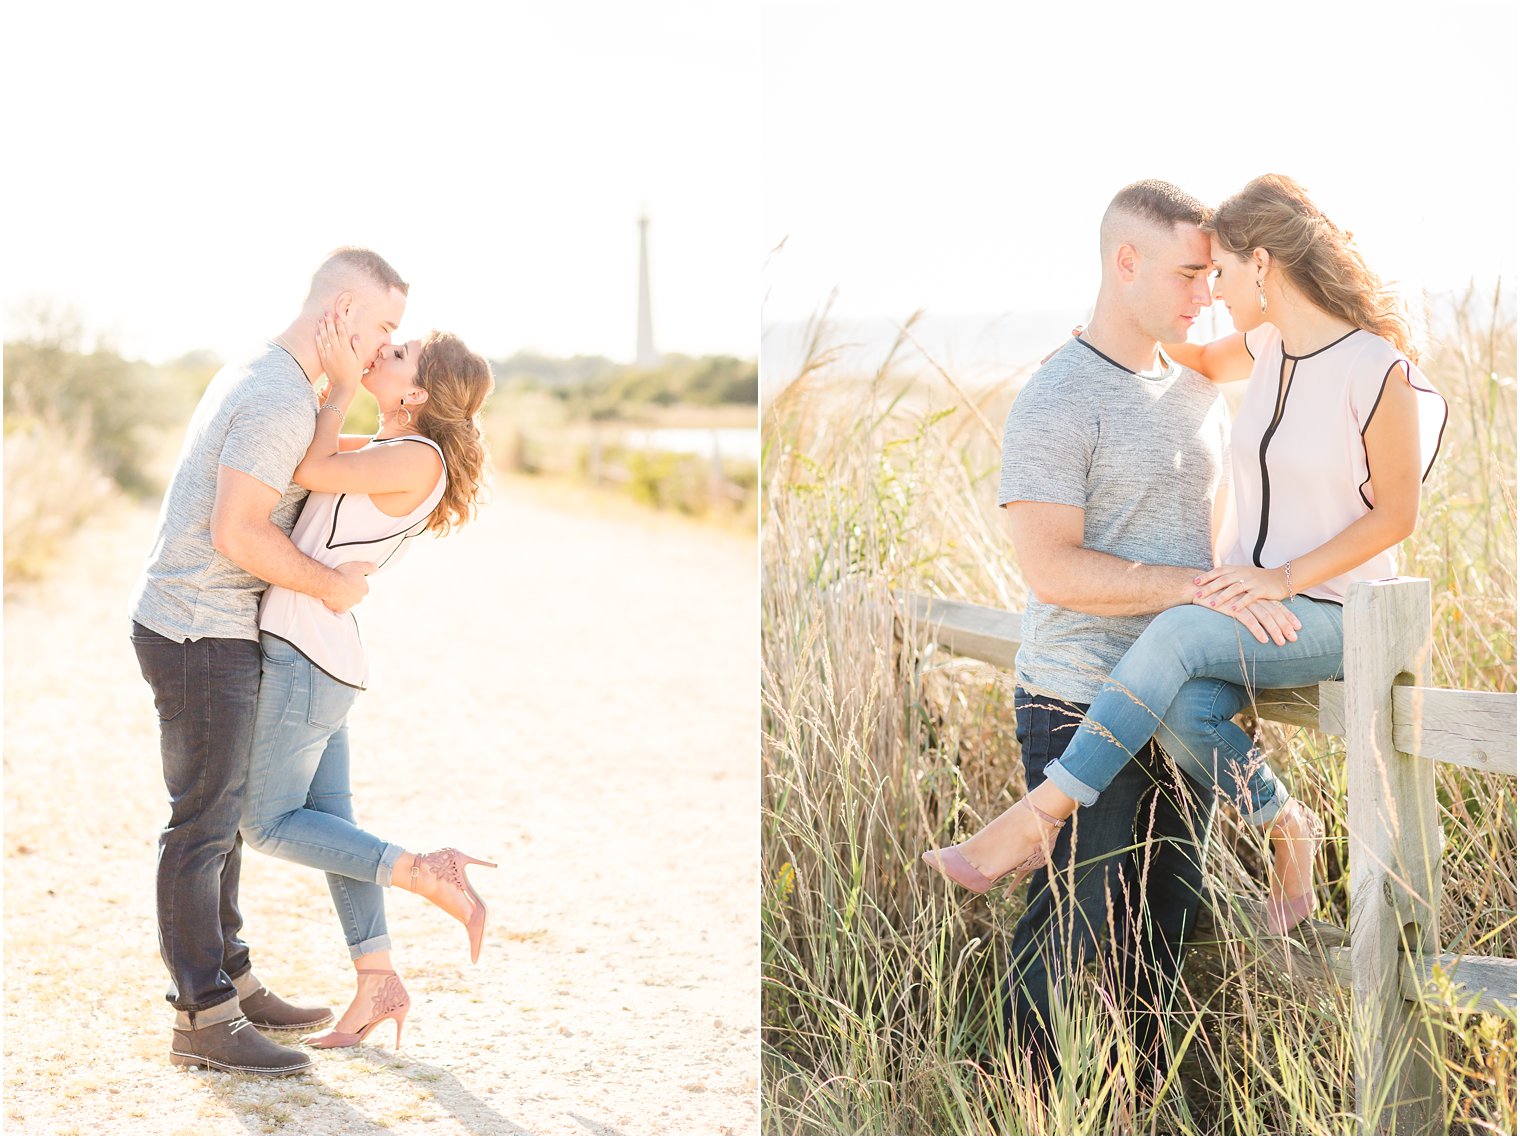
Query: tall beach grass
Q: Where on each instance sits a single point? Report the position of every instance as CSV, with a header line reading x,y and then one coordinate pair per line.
x,y
882,989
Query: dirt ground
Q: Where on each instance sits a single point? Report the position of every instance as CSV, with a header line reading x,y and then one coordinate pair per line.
x,y
568,687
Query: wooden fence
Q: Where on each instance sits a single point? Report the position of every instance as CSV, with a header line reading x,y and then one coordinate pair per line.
x,y
1396,728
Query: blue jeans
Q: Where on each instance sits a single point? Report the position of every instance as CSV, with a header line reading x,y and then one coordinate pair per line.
x,y
1126,872
204,691
299,806
1188,674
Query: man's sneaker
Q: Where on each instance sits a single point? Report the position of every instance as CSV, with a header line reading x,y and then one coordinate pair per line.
x,y
235,1046
265,1010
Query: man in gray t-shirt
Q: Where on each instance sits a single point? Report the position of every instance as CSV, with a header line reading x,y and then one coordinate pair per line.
x,y
223,535
1113,456
1141,456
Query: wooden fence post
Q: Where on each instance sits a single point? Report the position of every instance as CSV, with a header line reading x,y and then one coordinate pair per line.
x,y
1395,857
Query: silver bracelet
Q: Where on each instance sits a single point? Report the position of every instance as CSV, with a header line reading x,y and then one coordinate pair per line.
x,y
331,407
1288,573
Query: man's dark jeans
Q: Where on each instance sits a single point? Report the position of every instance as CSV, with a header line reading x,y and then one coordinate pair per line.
x,y
206,692
1091,895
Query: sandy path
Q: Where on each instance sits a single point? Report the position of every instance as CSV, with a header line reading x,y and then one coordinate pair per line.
x,y
576,700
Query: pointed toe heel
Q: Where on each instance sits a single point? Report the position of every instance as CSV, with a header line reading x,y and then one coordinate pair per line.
x,y
955,866
390,1002
950,862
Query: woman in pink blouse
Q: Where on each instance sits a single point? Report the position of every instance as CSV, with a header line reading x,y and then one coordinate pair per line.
x,y
1337,431
422,471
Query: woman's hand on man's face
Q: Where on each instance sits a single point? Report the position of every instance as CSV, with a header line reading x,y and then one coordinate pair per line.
x,y
339,354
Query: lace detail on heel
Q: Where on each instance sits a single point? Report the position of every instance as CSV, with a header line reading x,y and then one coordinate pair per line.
x,y
446,869
389,1002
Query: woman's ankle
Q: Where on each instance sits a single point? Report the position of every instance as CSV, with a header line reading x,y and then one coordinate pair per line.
x,y
401,872
1051,800
368,962
1290,824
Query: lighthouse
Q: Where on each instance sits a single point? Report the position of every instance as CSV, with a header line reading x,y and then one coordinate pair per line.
x,y
646,357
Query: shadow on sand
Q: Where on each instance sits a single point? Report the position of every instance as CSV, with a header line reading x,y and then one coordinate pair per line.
x,y
331,1112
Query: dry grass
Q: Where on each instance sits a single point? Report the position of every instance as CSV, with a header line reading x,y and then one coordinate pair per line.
x,y
881,993
51,486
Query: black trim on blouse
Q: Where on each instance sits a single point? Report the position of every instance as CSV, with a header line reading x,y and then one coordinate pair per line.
x,y
410,531
314,664
1441,434
1284,387
1283,390
1317,351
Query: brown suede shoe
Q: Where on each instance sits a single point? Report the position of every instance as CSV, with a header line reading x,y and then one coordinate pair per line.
x,y
265,1010
235,1046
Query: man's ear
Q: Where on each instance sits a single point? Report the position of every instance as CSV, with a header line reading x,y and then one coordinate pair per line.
x,y
1126,260
344,303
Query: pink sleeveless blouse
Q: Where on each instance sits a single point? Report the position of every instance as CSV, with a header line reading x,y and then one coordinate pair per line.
x,y
333,529
1298,458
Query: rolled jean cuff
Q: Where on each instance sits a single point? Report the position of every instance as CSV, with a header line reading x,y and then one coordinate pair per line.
x,y
1265,814
379,944
387,865
187,1020
1070,784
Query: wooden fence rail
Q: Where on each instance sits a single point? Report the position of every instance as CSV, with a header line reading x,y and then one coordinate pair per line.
x,y
1396,727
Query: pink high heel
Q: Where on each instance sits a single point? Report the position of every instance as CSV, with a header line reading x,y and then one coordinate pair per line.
x,y
447,866
390,1002
1285,913
955,866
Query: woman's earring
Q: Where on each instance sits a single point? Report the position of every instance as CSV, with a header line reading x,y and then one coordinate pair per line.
x,y
405,413
1261,297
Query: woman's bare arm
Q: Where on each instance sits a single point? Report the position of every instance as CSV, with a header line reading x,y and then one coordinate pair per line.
x,y
1221,361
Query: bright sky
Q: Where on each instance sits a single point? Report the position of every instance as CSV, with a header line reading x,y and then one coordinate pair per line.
x,y
958,157
177,170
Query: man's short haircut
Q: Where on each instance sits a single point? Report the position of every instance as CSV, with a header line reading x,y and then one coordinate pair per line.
x,y
350,265
1154,201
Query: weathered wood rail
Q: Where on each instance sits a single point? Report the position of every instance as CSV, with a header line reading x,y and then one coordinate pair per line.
x,y
1395,727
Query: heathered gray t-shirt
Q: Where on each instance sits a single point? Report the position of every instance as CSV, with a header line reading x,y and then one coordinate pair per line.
x,y
257,416
1143,457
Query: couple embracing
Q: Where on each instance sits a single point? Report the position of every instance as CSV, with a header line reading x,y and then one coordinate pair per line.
x,y
1176,565
242,626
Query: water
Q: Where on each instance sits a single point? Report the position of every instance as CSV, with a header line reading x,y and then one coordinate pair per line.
x,y
975,350
728,442
971,348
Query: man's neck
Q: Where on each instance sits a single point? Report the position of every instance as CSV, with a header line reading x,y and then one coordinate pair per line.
x,y
297,340
1118,338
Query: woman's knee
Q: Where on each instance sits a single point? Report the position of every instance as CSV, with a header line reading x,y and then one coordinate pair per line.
x,y
1162,647
259,836
1192,637
262,833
